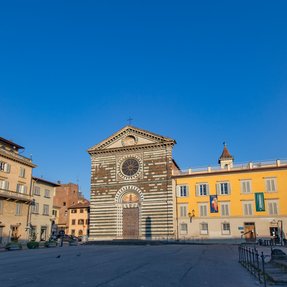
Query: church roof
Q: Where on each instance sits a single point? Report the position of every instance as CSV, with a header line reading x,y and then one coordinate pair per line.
x,y
128,130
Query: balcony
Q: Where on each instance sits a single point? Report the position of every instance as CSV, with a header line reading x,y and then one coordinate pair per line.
x,y
16,196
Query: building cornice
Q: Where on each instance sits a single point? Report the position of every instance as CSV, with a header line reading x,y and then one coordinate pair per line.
x,y
18,158
132,148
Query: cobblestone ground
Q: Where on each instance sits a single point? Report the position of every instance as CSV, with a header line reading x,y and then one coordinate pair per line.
x,y
142,266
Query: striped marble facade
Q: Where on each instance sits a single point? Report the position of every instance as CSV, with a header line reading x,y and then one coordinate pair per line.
x,y
148,191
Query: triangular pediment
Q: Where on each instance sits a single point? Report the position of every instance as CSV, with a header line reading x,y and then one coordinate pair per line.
x,y
130,136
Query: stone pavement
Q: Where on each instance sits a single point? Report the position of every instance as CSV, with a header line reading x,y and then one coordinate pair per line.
x,y
142,266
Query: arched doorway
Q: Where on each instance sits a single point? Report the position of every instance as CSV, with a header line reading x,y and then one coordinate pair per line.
x,y
128,201
130,216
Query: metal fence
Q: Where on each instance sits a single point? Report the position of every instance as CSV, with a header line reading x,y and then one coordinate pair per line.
x,y
253,262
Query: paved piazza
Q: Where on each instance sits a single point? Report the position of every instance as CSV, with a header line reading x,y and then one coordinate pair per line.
x,y
143,266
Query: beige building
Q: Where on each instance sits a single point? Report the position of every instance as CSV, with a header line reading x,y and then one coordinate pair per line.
x,y
79,215
15,192
41,219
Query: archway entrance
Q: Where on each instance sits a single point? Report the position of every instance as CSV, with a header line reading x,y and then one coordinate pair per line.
x,y
131,223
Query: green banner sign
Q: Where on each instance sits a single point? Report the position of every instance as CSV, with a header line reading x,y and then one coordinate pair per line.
x,y
259,200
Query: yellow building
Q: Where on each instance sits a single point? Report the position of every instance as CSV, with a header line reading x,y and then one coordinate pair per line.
x,y
79,219
15,192
246,201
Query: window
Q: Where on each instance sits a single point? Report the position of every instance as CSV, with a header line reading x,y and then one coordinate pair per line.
x,y
80,232
183,210
247,208
202,209
22,172
73,232
64,203
36,190
45,209
225,228
18,208
202,189
270,184
183,228
245,186
1,206
74,211
203,227
81,210
35,208
182,190
87,221
223,188
21,188
4,184
47,193
73,221
54,213
224,208
273,207
4,166
81,222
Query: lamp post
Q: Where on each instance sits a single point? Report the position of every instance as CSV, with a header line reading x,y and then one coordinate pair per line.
x,y
281,230
191,215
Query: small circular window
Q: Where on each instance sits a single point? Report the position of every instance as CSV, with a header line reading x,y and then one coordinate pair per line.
x,y
130,167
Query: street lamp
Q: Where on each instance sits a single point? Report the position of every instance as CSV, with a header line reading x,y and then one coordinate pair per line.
x,y
191,215
281,230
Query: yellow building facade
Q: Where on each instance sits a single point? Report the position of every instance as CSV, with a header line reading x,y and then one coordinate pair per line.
x,y
242,202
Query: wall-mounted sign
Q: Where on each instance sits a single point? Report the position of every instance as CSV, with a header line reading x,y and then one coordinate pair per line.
x,y
259,201
240,228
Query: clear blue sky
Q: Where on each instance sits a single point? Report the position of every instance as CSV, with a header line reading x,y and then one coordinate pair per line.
x,y
201,72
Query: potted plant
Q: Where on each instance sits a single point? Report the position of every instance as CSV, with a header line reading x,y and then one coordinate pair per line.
x,y
32,244
51,243
14,244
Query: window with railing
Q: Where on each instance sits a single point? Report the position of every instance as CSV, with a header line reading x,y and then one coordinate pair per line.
x,y
21,188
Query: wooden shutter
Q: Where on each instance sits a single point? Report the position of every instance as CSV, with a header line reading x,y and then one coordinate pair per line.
x,y
218,188
197,190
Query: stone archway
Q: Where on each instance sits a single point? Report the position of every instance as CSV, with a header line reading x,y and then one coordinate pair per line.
x,y
128,201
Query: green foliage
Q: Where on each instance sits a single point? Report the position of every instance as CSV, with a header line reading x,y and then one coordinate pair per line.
x,y
51,243
33,244
14,245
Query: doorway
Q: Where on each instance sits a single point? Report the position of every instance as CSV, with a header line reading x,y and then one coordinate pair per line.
x,y
131,223
249,231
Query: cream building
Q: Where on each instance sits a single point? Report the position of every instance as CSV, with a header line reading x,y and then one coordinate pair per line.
x,y
41,218
15,192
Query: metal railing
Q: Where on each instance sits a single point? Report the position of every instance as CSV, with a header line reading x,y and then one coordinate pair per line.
x,y
243,166
15,195
253,262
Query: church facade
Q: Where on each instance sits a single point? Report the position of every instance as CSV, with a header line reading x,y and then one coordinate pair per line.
x,y
131,187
